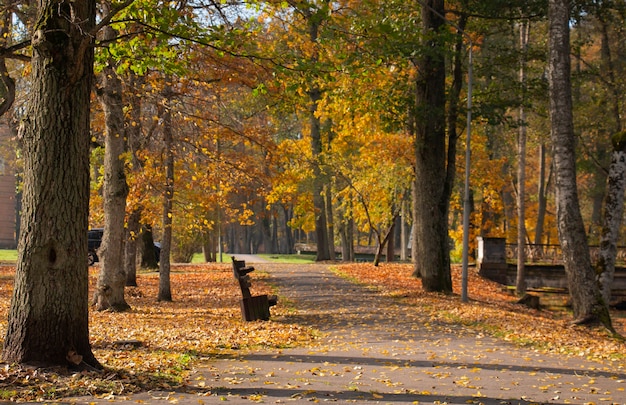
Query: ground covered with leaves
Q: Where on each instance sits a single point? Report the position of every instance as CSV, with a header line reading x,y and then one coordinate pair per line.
x,y
154,346
493,310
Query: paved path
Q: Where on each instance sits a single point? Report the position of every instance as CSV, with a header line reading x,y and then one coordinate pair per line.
x,y
375,350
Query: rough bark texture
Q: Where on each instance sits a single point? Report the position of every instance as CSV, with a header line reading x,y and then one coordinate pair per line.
x,y
612,219
430,243
586,298
109,293
615,182
49,317
165,291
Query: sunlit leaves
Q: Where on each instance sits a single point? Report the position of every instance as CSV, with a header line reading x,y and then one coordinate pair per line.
x,y
491,311
152,347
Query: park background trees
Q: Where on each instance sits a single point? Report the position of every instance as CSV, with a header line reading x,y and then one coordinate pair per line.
x,y
250,126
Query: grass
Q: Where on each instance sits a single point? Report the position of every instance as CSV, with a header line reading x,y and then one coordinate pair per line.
x,y
8,255
301,258
274,258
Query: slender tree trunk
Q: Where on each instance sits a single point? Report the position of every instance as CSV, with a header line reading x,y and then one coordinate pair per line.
x,y
330,222
109,294
587,301
165,292
520,282
134,136
319,203
542,195
130,248
49,314
431,244
404,254
289,239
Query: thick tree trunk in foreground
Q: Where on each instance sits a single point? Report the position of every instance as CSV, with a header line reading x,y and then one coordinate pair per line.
x,y
109,293
49,318
587,301
431,249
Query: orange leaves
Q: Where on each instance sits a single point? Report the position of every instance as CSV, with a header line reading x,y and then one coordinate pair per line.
x,y
492,310
152,345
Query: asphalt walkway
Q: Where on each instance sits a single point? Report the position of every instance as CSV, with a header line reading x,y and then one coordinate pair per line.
x,y
376,350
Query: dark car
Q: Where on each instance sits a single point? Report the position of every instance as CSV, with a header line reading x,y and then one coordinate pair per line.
x,y
94,240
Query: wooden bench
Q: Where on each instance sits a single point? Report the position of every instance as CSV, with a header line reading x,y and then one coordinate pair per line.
x,y
252,307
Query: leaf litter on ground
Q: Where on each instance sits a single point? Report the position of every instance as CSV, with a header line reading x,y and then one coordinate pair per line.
x,y
155,344
493,310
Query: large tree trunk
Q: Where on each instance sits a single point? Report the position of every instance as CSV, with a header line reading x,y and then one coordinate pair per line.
x,y
49,314
109,294
587,301
616,180
431,249
165,292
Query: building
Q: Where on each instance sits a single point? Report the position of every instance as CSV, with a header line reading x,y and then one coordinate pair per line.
x,y
8,201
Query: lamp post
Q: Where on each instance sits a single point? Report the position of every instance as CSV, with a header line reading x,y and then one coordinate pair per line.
x,y
466,190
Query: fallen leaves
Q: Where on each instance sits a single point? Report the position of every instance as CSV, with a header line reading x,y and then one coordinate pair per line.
x,y
152,346
492,310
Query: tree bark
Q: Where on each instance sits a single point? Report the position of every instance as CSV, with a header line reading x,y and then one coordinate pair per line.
x,y
616,180
165,291
542,195
314,17
133,139
587,301
431,249
109,294
612,218
130,248
520,281
49,314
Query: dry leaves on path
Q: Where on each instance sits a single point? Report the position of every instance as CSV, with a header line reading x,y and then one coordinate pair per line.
x,y
492,310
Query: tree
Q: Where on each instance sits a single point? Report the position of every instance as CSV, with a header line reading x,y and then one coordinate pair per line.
x,y
112,277
587,301
48,317
431,250
520,283
165,291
